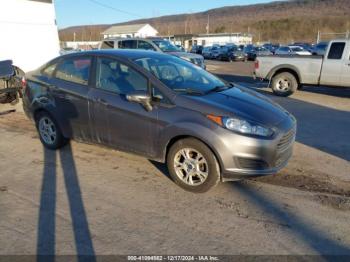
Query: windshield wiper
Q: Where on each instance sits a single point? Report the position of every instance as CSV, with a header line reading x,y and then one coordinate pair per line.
x,y
219,88
188,91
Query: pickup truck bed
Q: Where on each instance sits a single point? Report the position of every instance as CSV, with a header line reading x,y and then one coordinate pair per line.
x,y
287,73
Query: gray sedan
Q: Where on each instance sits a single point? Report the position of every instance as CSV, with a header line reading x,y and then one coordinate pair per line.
x,y
163,108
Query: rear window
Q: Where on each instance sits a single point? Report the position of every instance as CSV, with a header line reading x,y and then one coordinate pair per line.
x,y
48,71
75,70
336,50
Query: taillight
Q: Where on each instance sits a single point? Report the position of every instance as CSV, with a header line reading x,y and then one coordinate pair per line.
x,y
23,82
256,64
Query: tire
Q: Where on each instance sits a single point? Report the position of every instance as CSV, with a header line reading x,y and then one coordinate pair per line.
x,y
184,171
50,133
284,84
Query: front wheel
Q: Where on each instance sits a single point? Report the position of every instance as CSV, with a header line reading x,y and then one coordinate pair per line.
x,y
284,84
193,166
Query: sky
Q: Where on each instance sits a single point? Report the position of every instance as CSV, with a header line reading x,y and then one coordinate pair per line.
x,y
86,12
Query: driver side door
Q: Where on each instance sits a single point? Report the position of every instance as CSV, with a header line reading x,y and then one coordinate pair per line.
x,y
116,122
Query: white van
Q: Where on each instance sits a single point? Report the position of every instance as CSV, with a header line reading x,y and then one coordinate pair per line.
x,y
29,35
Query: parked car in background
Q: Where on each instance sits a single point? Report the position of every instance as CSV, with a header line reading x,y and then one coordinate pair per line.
x,y
306,46
231,53
320,48
163,108
252,52
208,51
68,50
181,48
271,47
287,74
151,44
216,51
291,50
196,49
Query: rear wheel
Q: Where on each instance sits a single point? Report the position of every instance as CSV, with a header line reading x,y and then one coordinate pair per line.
x,y
284,84
49,132
193,166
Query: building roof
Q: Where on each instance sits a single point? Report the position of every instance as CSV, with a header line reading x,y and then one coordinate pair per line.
x,y
123,29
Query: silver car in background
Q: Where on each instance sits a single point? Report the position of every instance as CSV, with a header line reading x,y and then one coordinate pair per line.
x,y
163,108
152,44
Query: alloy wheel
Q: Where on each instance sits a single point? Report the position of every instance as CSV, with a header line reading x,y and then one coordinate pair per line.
x,y
191,166
47,130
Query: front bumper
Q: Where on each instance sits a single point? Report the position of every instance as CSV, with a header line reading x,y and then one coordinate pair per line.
x,y
244,157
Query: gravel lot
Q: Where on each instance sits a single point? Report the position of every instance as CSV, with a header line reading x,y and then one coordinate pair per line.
x,y
86,199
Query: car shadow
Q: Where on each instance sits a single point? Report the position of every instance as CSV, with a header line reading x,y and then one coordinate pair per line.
x,y
320,127
46,238
162,168
304,232
311,236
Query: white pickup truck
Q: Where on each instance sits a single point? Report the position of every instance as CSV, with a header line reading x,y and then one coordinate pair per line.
x,y
288,73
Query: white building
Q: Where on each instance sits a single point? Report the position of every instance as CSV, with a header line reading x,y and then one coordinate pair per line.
x,y
28,32
139,30
212,39
222,39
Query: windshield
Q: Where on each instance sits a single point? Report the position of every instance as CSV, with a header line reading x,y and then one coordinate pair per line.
x,y
166,46
180,75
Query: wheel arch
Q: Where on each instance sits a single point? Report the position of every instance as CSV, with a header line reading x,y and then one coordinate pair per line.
x,y
61,125
177,138
285,69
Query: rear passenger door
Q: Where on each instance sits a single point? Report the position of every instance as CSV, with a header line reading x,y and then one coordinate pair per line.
x,y
69,87
333,65
116,121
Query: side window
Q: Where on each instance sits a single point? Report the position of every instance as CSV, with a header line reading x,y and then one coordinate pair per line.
x,y
336,51
107,45
127,44
48,71
74,70
144,45
118,78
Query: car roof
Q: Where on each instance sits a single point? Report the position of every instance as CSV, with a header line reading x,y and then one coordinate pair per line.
x,y
122,53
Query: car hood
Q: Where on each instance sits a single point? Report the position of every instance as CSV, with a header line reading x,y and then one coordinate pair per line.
x,y
184,54
240,102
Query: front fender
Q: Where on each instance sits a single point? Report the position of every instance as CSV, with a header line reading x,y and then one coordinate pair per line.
x,y
206,134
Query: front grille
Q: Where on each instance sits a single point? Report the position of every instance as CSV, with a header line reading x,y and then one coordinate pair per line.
x,y
283,157
286,141
251,164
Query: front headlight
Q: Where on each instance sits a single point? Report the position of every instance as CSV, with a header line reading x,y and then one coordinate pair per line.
x,y
241,126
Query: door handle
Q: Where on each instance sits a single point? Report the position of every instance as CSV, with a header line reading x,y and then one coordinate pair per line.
x,y
102,101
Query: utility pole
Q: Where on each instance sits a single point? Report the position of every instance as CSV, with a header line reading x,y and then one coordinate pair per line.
x,y
208,25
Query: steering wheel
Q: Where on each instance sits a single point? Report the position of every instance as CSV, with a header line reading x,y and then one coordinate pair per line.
x,y
177,80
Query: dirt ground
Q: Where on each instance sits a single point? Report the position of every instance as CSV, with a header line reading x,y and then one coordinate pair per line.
x,y
86,199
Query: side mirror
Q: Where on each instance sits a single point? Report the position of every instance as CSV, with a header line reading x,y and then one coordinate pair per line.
x,y
141,97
